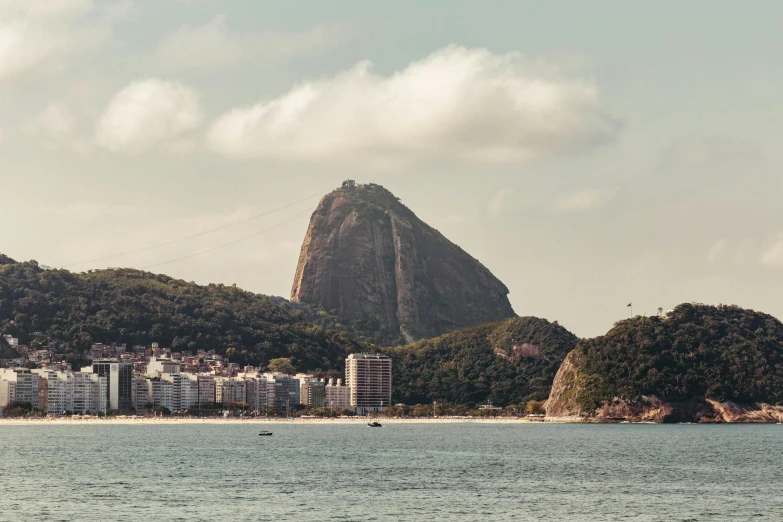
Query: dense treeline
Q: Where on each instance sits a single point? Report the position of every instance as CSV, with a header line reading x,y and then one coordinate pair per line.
x,y
481,364
724,353
75,310
134,307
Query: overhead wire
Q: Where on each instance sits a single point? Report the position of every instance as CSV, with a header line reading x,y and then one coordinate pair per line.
x,y
254,234
199,234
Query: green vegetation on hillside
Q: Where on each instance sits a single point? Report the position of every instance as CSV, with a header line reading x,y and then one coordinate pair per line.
x,y
6,351
724,353
468,366
5,260
134,307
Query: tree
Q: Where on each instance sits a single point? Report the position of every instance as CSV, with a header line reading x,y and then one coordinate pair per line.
x,y
282,365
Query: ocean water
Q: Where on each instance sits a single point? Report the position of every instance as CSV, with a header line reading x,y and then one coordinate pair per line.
x,y
431,472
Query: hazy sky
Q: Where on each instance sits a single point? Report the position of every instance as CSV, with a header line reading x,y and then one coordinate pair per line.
x,y
590,154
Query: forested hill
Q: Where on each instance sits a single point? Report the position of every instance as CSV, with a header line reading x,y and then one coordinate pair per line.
x,y
134,307
6,351
693,353
506,362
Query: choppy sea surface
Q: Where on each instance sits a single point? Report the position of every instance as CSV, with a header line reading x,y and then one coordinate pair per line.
x,y
430,472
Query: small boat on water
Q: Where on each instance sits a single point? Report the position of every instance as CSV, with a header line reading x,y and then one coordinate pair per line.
x,y
265,434
375,424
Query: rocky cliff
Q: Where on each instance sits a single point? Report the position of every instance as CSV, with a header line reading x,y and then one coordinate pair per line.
x,y
698,363
370,260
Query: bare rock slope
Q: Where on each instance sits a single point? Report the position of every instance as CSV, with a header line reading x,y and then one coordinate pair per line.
x,y
370,260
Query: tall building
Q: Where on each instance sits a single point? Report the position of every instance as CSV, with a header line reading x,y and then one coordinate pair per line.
x,y
140,394
369,377
313,393
85,393
161,393
25,386
229,390
55,396
255,390
206,392
282,391
119,382
337,395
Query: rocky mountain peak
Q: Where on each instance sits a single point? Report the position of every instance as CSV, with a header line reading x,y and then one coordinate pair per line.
x,y
369,259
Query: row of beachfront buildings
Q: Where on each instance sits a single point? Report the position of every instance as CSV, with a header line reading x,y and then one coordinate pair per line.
x,y
111,385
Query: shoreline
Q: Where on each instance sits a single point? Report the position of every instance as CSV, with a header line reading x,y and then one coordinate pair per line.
x,y
262,420
299,420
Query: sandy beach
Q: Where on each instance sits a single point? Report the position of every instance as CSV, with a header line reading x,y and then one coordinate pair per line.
x,y
262,420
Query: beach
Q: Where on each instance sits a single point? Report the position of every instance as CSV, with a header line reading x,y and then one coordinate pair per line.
x,y
263,420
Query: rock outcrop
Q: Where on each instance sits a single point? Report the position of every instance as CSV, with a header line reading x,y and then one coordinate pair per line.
x,y
369,259
698,363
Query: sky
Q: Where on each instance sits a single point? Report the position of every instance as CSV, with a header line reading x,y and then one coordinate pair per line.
x,y
590,154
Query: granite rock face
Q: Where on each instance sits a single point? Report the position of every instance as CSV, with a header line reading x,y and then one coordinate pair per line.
x,y
369,259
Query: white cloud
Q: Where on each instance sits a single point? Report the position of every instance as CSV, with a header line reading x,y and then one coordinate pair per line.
x,y
215,45
698,151
456,104
148,114
34,33
583,200
497,203
773,256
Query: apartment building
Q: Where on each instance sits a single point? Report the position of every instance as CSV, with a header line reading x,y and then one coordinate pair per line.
x,y
369,377
119,382
25,388
312,393
337,395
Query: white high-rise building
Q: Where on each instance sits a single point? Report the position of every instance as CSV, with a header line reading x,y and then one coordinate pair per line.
x,y
229,390
59,393
85,392
206,390
25,387
255,390
283,391
161,394
188,391
337,395
369,376
141,394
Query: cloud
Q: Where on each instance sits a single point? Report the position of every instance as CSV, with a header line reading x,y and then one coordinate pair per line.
x,y
699,151
497,203
773,256
215,46
583,200
149,114
36,33
457,104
